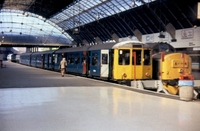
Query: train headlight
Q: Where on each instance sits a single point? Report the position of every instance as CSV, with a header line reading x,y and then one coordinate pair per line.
x,y
147,74
124,75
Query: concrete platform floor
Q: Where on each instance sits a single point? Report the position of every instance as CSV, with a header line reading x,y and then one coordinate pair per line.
x,y
103,107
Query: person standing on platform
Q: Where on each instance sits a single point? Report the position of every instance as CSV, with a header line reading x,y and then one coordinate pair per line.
x,y
63,63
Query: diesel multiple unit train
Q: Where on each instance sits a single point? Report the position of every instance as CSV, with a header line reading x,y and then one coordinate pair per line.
x,y
123,61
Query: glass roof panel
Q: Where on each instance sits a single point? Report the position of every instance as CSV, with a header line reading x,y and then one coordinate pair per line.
x,y
91,10
86,17
89,4
124,5
108,7
26,23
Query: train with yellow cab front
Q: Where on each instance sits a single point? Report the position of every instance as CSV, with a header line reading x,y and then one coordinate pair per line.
x,y
132,61
170,65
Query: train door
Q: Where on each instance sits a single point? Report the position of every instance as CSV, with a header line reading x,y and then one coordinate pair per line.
x,y
84,63
78,66
88,62
29,59
56,62
50,61
42,57
34,61
53,60
46,61
110,63
137,65
95,63
104,63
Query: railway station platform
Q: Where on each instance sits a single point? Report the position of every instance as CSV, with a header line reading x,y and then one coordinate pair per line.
x,y
33,99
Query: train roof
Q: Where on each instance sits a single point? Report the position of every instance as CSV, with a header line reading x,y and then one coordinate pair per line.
x,y
124,44
27,53
152,44
130,44
83,48
102,46
112,45
47,52
44,52
161,47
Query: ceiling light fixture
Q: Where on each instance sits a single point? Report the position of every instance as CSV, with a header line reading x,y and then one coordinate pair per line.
x,y
161,35
133,3
26,14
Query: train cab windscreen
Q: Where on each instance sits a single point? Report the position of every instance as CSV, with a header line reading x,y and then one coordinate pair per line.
x,y
94,59
124,57
138,57
166,48
146,59
163,47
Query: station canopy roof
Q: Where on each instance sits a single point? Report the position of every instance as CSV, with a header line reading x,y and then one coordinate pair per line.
x,y
45,22
50,22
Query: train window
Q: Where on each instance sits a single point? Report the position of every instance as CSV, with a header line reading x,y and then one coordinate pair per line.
x,y
155,51
147,55
124,57
56,58
45,58
104,58
138,57
166,48
69,59
94,59
50,59
77,60
171,49
72,59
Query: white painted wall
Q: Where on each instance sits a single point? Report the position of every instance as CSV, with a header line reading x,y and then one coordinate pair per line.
x,y
186,38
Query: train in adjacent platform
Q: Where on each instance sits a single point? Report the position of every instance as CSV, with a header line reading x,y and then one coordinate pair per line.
x,y
195,56
123,61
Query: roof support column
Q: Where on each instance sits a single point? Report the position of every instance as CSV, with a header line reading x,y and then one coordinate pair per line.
x,y
171,30
35,49
98,40
74,43
138,34
115,37
85,43
28,49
